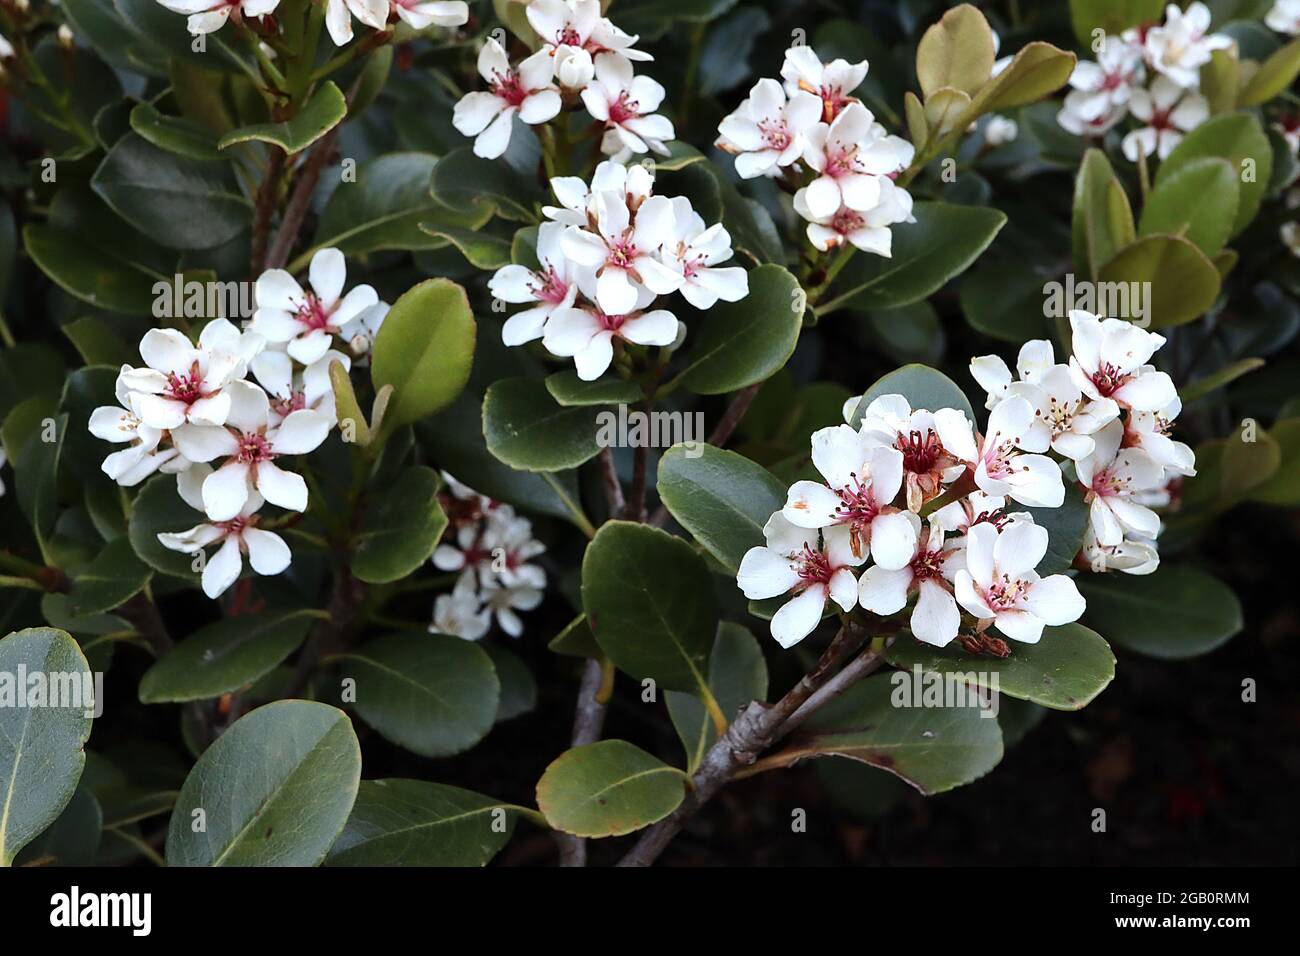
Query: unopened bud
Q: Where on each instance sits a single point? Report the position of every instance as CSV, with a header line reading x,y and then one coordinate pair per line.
x,y
65,37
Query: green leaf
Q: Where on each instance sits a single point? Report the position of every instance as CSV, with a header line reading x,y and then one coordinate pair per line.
x,y
723,499
400,528
386,206
518,687
1248,461
114,576
433,694
572,392
745,342
922,386
348,408
1065,529
415,823
650,604
576,640
933,748
1216,380
1004,300
1037,70
737,675
1112,16
942,243
1273,77
1176,612
482,250
223,657
1282,488
608,789
178,202
1183,282
159,509
957,52
36,476
1240,139
71,840
1065,670
274,790
175,134
1198,202
41,747
424,350
96,343
462,180
525,428
322,113
1102,222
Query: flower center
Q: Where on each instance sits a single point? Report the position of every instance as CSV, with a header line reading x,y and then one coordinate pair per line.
x,y
846,221
237,526
568,36
841,161
920,453
833,102
813,567
1108,484
1004,594
187,388
928,564
252,449
313,315
1108,378
622,251
623,109
295,401
775,134
549,287
509,87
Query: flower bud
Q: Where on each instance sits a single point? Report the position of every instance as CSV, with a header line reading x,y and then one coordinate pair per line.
x,y
574,68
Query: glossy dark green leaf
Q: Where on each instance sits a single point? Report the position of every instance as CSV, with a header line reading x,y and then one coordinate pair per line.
x,y
608,789
1183,283
273,790
737,675
42,746
570,391
318,116
159,509
1102,220
650,604
1065,529
415,823
108,581
174,133
461,180
432,694
922,386
223,657
576,640
400,527
526,429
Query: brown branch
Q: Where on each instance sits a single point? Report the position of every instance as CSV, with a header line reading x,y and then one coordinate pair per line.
x,y
613,490
346,600
752,732
266,195
300,201
635,510
588,722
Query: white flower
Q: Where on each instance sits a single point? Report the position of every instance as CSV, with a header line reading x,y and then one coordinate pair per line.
x,y
1104,87
1290,235
577,208
419,14
861,482
1000,130
339,14
527,91
1112,478
574,68
1150,432
467,552
305,322
209,16
1284,17
868,231
360,331
794,561
1131,555
6,51
587,333
187,383
694,250
928,573
1035,358
935,446
250,445
1180,47
622,249
267,552
461,613
1168,111
552,287
1074,116
508,537
626,104
122,424
1109,361
503,600
851,155
957,517
765,132
1003,469
291,389
833,83
999,582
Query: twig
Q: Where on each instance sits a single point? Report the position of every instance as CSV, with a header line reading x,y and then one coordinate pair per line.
x,y
296,211
753,731
266,195
588,722
868,662
613,490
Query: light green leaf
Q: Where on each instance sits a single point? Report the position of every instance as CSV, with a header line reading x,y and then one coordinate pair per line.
x,y
1112,16
1102,219
608,789
956,52
1183,282
1273,77
1240,139
1198,202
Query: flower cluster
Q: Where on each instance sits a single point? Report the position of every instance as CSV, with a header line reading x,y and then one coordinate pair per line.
x,y
209,16
492,552
927,499
192,405
610,250
827,144
1170,55
584,58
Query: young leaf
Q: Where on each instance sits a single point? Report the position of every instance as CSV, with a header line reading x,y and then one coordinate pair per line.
x,y
1183,282
956,52
1198,202
1239,138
